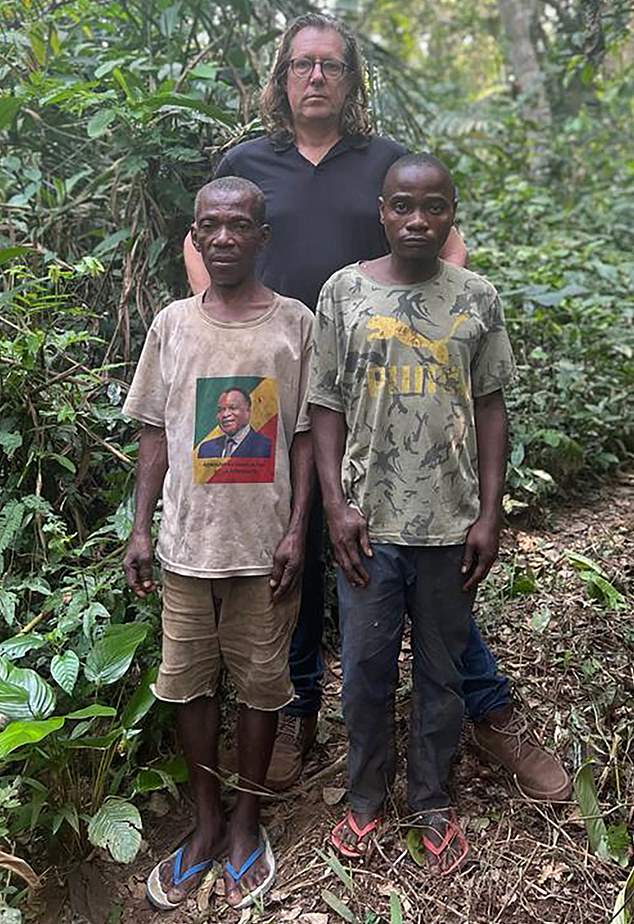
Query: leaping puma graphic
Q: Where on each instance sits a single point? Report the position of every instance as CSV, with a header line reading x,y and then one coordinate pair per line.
x,y
382,327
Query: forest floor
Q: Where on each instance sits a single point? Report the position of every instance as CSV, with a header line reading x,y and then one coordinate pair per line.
x,y
571,661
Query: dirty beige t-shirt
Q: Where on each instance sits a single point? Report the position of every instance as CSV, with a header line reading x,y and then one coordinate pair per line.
x,y
225,506
404,363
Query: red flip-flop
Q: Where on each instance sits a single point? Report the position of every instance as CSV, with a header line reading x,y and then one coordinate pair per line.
x,y
361,834
453,834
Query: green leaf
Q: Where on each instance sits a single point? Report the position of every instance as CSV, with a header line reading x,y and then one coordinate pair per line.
x,y
204,72
586,796
117,827
338,906
338,869
19,645
17,734
396,912
64,461
141,700
109,659
9,107
94,743
23,693
111,242
523,583
541,619
149,779
99,122
68,813
8,602
415,847
583,563
91,712
180,101
64,670
624,904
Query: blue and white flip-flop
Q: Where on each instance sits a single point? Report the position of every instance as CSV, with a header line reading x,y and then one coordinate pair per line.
x,y
263,849
154,890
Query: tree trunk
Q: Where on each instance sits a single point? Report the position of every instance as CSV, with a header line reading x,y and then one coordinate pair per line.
x,y
517,18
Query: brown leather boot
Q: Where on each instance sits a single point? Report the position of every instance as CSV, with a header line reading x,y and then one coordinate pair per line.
x,y
294,739
503,737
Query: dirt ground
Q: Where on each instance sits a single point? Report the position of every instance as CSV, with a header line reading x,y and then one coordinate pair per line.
x,y
570,659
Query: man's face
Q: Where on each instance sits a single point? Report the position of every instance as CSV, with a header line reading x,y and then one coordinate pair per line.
x,y
314,98
417,211
227,235
233,413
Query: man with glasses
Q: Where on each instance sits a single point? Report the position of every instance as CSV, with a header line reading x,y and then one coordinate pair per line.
x,y
321,170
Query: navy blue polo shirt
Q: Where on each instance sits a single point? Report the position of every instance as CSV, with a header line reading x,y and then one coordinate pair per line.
x,y
322,216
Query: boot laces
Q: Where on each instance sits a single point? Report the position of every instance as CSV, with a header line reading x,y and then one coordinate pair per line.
x,y
517,728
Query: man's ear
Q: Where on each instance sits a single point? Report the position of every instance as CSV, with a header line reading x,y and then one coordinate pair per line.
x,y
381,203
265,235
194,234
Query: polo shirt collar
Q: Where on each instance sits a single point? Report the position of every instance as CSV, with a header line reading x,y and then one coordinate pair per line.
x,y
281,143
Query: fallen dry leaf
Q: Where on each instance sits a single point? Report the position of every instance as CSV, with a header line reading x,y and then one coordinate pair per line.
x,y
332,795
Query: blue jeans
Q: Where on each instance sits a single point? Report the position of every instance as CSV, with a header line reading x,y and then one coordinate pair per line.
x,y
484,689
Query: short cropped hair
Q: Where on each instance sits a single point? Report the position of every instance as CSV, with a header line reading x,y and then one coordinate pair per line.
x,y
245,394
424,159
235,184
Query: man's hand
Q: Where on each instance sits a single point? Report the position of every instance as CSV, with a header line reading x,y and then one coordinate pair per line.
x,y
137,564
349,535
288,563
481,550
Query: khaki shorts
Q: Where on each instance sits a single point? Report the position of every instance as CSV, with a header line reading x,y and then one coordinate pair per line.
x,y
207,621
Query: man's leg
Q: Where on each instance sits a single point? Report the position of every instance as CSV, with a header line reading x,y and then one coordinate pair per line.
x,y
371,621
440,613
188,677
501,733
256,734
484,689
255,637
298,722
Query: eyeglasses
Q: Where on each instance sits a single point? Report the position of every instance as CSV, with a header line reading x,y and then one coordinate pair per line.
x,y
331,68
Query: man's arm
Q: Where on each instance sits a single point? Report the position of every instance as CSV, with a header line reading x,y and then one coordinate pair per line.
x,y
288,560
481,548
348,528
454,250
150,474
196,273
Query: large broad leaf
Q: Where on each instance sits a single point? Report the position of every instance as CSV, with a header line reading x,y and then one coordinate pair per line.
x,y
110,657
64,670
17,734
117,828
141,701
97,711
624,905
23,693
99,122
586,796
16,647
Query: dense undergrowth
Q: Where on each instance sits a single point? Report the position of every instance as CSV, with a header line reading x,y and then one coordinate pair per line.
x,y
105,139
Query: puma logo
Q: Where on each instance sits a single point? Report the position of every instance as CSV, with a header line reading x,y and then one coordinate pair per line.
x,y
383,327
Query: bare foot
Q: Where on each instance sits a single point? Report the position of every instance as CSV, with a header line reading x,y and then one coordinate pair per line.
x,y
348,836
199,847
444,843
243,840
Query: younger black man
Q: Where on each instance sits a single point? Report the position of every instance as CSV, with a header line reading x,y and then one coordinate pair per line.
x,y
227,365
410,359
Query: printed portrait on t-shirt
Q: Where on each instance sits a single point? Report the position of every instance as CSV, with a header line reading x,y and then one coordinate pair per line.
x,y
235,430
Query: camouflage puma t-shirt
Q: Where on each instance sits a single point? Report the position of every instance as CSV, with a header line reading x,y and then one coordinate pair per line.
x,y
404,363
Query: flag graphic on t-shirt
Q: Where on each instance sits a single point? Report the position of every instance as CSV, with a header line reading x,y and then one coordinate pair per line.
x,y
235,431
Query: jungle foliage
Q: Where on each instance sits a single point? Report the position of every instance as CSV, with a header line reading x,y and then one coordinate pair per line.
x,y
111,115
